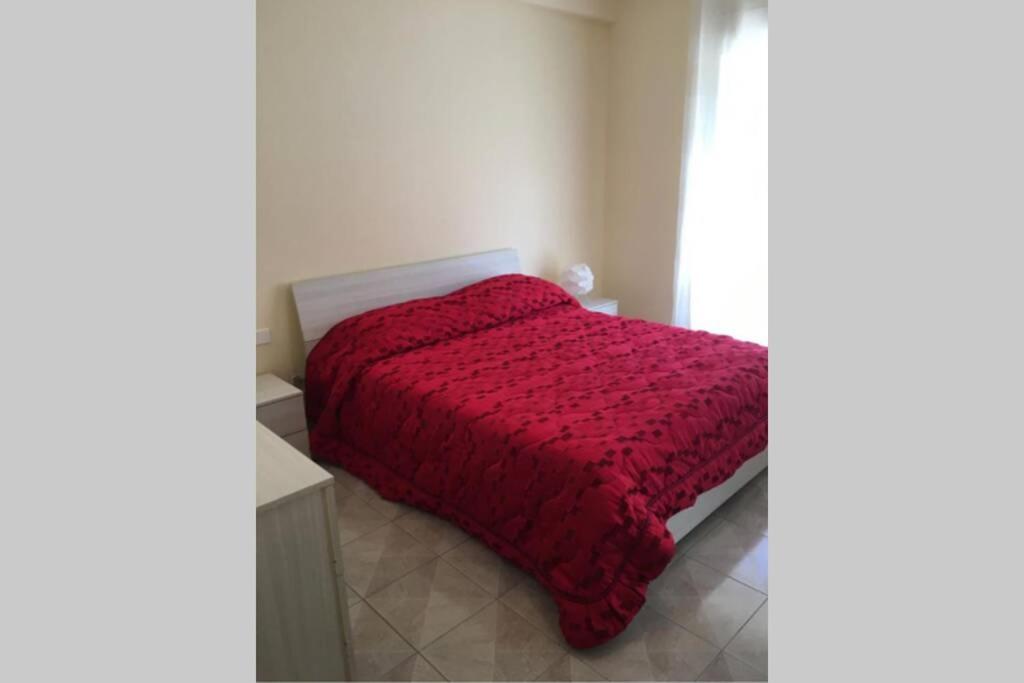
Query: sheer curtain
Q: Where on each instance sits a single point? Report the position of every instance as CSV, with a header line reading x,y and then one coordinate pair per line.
x,y
722,274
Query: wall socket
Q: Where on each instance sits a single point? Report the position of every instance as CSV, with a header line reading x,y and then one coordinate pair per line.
x,y
262,336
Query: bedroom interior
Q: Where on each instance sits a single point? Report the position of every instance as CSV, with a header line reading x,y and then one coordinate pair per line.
x,y
505,264
511,392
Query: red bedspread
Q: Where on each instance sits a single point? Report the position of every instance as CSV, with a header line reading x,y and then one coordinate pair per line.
x,y
563,439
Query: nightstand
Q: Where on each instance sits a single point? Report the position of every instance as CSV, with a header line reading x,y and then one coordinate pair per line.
x,y
279,407
599,304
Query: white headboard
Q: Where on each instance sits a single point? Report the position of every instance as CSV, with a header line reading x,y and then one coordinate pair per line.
x,y
325,301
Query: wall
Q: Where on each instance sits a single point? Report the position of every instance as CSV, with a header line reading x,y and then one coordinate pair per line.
x,y
396,131
648,83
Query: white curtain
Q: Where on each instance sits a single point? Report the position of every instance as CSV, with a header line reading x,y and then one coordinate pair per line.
x,y
722,274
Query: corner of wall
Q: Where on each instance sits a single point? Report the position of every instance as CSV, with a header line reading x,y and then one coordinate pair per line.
x,y
648,90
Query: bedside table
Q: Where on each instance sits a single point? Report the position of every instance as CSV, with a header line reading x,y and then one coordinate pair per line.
x,y
279,407
599,304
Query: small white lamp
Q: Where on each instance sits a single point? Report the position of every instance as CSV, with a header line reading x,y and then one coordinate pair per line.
x,y
578,280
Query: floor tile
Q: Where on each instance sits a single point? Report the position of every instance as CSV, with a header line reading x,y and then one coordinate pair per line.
x,y
342,478
380,557
700,531
355,517
652,648
733,550
486,568
496,644
356,486
704,601
389,508
751,643
728,668
377,648
416,668
429,601
748,508
533,602
352,596
437,534
568,668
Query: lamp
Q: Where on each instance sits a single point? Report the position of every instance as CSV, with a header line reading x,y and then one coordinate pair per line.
x,y
578,279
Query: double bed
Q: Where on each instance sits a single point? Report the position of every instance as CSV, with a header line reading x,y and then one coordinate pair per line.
x,y
577,445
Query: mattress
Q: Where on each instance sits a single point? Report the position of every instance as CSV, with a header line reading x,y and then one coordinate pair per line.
x,y
562,438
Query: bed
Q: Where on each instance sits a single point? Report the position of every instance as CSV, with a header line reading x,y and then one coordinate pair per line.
x,y
579,446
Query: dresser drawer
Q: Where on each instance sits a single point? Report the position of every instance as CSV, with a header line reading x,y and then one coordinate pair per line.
x,y
299,441
283,417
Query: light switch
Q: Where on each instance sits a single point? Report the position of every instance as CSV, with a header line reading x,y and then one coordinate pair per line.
x,y
262,336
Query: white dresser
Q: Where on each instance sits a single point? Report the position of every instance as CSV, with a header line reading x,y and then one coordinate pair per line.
x,y
302,629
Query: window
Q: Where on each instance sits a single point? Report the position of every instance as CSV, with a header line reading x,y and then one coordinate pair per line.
x,y
723,274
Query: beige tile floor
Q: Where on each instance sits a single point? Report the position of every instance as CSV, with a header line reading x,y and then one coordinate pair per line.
x,y
430,603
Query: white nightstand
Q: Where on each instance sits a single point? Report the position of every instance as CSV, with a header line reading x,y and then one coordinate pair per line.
x,y
600,305
279,407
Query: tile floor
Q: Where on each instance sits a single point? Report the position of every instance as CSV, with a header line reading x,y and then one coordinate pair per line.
x,y
430,603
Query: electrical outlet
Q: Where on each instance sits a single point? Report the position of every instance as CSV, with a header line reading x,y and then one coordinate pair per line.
x,y
262,336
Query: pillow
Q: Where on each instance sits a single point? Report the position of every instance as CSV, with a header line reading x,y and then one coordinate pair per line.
x,y
356,342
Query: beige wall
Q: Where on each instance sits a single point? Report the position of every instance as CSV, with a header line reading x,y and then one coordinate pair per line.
x,y
648,86
396,131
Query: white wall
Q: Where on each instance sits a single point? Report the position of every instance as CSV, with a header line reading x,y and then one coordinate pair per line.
x,y
396,131
648,85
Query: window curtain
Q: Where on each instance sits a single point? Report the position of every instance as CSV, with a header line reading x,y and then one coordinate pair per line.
x,y
722,275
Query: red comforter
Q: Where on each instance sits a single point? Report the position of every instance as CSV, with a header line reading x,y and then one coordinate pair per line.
x,y
563,439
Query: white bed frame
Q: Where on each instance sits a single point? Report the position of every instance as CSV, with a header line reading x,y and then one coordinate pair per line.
x,y
324,302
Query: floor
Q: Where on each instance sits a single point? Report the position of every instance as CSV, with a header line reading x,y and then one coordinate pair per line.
x,y
429,603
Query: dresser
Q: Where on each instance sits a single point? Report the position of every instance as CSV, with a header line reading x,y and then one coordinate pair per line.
x,y
302,629
279,406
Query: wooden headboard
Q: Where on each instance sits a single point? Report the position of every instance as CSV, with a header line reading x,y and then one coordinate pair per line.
x,y
323,302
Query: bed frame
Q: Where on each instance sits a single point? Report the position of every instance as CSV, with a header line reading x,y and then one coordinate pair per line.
x,y
323,302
